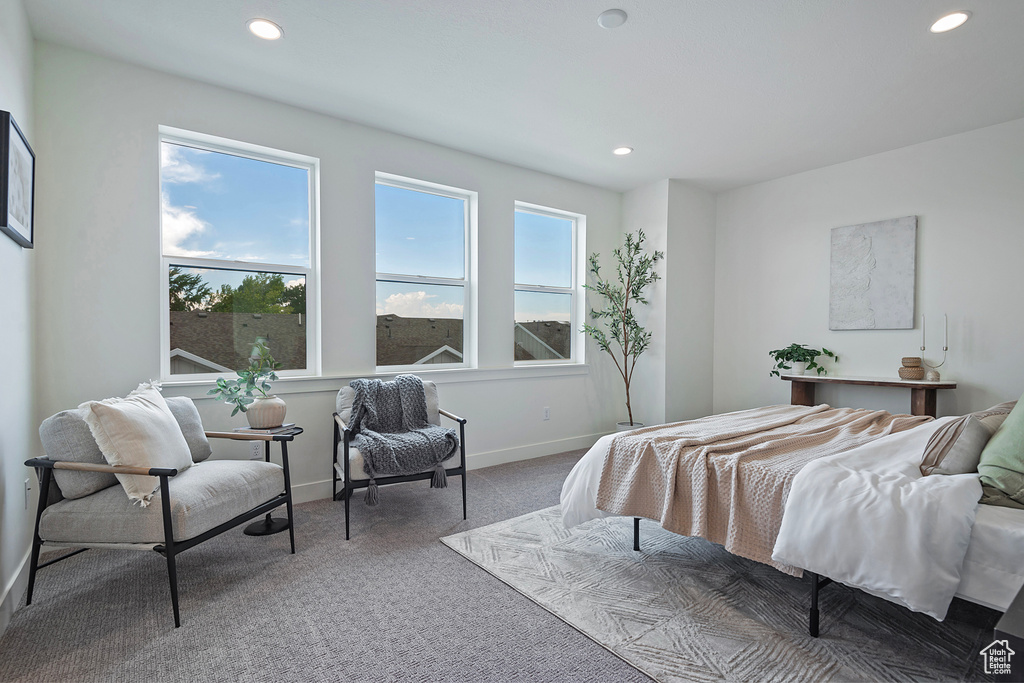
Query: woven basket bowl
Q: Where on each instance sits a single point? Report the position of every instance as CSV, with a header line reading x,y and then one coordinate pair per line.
x,y
911,373
911,361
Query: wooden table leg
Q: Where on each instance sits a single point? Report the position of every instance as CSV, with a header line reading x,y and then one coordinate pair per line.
x,y
802,393
922,401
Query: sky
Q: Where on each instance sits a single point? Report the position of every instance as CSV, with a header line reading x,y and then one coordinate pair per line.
x,y
419,233
217,205
543,256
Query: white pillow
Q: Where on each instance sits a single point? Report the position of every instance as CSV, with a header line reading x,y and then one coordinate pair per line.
x,y
137,431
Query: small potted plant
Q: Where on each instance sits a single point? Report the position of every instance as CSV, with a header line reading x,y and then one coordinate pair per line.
x,y
250,392
796,359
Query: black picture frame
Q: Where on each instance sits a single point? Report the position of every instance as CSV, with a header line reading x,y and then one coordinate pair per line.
x,y
17,183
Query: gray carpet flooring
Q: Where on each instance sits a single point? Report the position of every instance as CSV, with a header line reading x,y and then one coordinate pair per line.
x,y
392,604
684,609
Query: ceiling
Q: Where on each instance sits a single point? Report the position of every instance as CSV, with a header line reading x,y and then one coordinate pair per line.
x,y
720,93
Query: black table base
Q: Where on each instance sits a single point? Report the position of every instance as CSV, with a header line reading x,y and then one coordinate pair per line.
x,y
266,526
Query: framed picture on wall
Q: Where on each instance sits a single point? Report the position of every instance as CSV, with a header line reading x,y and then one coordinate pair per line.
x,y
17,182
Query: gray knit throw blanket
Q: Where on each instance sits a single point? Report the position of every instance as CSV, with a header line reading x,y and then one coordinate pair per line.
x,y
393,434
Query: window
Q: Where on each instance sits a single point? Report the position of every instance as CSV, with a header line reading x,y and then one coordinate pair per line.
x,y
238,235
423,293
546,296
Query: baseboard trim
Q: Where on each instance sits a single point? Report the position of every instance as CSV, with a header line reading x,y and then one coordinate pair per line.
x,y
534,450
13,592
316,490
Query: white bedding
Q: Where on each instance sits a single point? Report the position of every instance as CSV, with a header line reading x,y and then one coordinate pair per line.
x,y
579,490
991,573
993,570
867,518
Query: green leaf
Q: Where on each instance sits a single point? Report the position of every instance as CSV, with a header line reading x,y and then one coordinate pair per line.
x,y
239,391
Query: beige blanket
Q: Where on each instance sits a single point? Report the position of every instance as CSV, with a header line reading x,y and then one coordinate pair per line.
x,y
726,477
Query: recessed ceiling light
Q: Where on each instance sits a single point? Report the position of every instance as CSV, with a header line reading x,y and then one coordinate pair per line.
x,y
265,29
622,151
950,21
612,18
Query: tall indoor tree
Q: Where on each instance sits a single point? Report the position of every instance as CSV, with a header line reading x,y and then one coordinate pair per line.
x,y
625,339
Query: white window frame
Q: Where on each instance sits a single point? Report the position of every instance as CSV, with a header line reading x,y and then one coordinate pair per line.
x,y
575,290
312,273
467,282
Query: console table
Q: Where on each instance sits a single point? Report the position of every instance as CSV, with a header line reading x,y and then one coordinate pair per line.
x,y
922,393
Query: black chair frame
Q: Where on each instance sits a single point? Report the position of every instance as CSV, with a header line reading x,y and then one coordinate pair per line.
x,y
343,436
170,548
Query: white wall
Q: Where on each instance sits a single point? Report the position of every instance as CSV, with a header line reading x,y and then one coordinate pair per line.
x,y
99,256
772,273
690,312
673,378
745,272
646,208
17,438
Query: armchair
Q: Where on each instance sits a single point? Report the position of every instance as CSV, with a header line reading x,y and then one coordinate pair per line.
x,y
347,461
82,507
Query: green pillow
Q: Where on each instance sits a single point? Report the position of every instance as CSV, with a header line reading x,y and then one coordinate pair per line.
x,y
1002,461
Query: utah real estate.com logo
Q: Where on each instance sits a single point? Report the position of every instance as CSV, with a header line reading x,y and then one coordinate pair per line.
x,y
997,656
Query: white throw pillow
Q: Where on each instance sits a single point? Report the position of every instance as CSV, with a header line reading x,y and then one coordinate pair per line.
x,y
137,431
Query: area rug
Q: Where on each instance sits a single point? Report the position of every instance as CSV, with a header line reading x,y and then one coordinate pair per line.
x,y
683,609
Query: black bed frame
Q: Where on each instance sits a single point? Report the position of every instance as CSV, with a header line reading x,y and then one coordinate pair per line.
x,y
817,583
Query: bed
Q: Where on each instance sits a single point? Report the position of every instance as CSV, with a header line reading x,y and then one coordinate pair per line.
x,y
863,516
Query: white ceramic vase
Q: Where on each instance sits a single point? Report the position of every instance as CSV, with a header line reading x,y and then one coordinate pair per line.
x,y
264,413
626,427
799,367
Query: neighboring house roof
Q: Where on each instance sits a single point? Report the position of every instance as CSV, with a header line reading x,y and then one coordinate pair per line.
x,y
226,339
416,341
554,337
531,347
411,341
200,364
222,342
445,354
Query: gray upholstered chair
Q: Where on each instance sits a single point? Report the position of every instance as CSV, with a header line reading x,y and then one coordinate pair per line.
x,y
82,506
347,462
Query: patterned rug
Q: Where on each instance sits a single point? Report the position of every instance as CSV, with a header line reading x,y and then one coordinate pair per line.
x,y
684,609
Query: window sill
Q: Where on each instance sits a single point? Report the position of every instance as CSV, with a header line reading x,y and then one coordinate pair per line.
x,y
196,389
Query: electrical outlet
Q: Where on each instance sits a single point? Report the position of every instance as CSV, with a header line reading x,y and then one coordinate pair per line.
x,y
254,451
547,413
28,489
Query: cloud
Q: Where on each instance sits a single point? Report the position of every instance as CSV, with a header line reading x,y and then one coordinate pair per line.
x,y
297,282
176,169
416,305
179,224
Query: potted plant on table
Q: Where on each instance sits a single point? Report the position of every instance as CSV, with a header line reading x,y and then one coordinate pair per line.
x,y
797,359
249,393
625,338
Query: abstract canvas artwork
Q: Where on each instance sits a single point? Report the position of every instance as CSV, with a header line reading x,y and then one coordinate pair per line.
x,y
872,275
